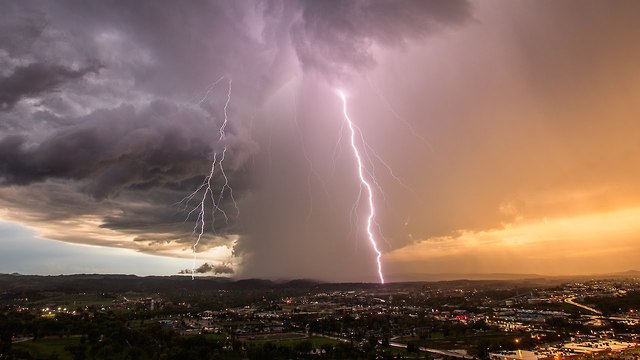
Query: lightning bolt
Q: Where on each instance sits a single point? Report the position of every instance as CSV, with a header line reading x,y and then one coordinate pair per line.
x,y
207,186
363,181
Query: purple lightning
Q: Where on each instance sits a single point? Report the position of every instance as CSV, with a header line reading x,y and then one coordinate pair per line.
x,y
363,183
207,186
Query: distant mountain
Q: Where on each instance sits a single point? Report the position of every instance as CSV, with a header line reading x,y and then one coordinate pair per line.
x,y
124,283
12,283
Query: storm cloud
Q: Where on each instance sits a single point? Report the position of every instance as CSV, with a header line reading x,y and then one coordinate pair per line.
x,y
109,116
118,148
34,79
336,38
207,268
501,121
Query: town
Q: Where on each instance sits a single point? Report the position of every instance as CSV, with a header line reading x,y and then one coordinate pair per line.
x,y
67,317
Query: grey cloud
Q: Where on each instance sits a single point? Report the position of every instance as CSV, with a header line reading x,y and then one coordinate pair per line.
x,y
20,27
146,216
124,146
132,138
117,148
35,79
207,268
335,37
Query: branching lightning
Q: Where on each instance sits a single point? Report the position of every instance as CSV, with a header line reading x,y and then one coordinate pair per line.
x,y
207,186
362,152
363,181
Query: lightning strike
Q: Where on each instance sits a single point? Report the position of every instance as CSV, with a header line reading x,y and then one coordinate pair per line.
x,y
207,186
363,182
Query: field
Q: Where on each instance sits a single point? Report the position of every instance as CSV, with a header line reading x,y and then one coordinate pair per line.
x,y
45,348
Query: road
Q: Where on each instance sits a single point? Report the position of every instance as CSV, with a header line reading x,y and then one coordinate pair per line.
x,y
615,318
571,301
21,339
434,351
404,346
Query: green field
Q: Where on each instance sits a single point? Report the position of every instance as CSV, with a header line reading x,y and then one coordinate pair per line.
x,y
44,348
73,301
79,300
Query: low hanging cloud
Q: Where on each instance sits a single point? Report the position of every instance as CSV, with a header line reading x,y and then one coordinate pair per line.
x,y
207,268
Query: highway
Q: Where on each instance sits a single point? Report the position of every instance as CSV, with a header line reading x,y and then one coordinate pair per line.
x,y
434,351
599,313
404,346
572,302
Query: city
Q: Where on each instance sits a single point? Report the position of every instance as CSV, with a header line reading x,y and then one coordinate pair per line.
x,y
67,317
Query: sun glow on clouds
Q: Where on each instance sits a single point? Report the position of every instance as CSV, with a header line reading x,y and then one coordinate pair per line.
x,y
88,231
25,253
596,242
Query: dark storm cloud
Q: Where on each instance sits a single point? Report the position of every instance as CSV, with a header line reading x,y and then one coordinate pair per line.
x,y
120,143
35,79
336,37
130,146
116,148
123,147
20,27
